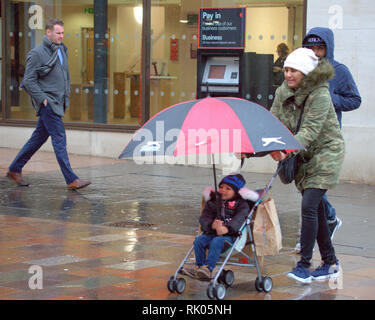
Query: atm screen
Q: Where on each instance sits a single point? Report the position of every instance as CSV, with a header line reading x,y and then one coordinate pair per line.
x,y
216,72
222,71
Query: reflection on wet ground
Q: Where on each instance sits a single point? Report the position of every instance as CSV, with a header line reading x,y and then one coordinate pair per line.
x,y
167,197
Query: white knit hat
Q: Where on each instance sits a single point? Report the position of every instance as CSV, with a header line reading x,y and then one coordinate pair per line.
x,y
302,59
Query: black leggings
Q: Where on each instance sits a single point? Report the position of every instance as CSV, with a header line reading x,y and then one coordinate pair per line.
x,y
315,227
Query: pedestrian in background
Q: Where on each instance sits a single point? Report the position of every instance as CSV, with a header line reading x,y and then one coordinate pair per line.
x,y
344,94
278,74
47,81
320,164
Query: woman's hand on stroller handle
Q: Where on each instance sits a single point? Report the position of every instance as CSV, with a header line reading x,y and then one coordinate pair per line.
x,y
278,155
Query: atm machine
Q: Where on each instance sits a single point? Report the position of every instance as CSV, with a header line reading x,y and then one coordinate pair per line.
x,y
235,73
221,44
220,73
223,68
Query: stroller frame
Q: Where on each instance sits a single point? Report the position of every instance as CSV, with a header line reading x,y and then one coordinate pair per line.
x,y
225,278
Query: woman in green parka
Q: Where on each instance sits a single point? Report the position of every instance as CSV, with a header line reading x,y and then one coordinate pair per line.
x,y
320,163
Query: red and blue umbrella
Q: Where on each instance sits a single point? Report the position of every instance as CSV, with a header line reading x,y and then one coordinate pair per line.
x,y
210,126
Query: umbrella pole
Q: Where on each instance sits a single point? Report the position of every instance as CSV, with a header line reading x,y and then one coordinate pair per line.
x,y
215,182
214,169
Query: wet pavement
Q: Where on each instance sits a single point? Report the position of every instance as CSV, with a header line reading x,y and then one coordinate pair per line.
x,y
123,236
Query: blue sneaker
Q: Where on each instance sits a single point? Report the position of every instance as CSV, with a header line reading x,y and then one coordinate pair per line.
x,y
326,271
300,273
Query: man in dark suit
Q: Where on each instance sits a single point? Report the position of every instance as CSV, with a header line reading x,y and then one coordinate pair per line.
x,y
47,81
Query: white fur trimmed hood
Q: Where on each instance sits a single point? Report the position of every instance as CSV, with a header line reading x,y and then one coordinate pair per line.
x,y
245,193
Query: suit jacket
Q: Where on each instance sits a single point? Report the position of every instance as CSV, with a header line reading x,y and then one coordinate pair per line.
x,y
55,86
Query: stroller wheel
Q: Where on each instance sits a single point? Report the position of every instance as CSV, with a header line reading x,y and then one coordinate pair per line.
x,y
228,277
210,291
170,284
180,285
258,285
267,284
219,291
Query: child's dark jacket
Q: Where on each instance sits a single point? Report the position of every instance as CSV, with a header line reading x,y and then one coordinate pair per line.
x,y
232,212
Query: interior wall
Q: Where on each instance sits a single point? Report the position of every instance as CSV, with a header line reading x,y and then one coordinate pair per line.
x,y
185,68
265,29
74,19
128,48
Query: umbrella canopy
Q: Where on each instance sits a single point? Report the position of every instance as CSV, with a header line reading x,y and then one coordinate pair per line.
x,y
211,125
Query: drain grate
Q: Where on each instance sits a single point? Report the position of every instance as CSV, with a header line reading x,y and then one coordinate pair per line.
x,y
130,223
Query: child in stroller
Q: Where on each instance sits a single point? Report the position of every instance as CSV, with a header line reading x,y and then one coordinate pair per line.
x,y
228,215
220,222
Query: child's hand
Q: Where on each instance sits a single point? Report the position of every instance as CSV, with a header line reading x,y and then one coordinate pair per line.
x,y
222,230
216,224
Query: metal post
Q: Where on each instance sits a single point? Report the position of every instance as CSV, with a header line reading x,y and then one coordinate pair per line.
x,y
100,61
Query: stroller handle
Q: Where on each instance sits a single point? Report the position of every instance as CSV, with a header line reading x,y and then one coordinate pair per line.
x,y
269,185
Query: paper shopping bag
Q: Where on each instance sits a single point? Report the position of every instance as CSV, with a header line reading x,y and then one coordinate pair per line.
x,y
266,229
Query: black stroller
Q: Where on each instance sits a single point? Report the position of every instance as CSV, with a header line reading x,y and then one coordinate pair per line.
x,y
225,278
